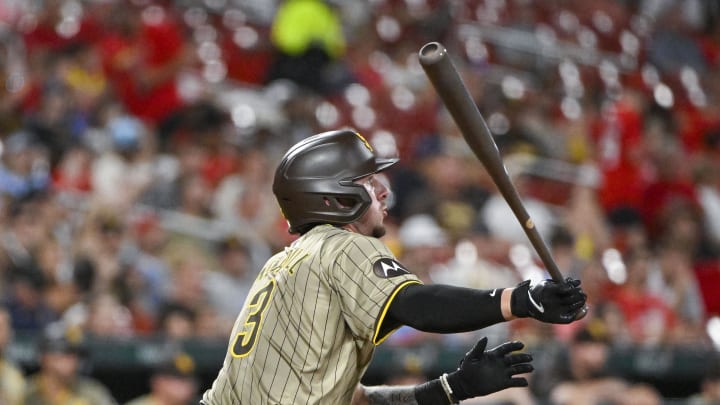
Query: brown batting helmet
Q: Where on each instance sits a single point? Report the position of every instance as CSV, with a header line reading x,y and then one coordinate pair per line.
x,y
314,183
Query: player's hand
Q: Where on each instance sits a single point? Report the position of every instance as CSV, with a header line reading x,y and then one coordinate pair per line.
x,y
549,301
483,372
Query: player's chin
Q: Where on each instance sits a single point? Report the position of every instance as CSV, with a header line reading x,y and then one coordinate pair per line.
x,y
379,231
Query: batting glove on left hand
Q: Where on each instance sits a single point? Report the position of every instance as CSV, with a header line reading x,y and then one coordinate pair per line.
x,y
483,372
549,301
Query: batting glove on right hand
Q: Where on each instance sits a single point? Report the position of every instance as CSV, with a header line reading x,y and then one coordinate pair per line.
x,y
483,372
549,301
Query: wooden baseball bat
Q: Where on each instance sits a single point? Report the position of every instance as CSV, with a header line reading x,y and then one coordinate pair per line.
x,y
448,84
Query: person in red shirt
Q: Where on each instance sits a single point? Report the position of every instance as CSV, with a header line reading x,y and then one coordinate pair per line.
x,y
670,187
143,53
619,152
647,318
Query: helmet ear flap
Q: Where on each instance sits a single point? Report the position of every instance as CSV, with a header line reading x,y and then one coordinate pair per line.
x,y
328,209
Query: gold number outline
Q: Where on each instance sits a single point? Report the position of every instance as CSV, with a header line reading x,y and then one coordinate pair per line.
x,y
244,341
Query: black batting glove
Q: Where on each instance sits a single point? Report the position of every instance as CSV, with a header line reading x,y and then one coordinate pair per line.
x,y
483,372
549,301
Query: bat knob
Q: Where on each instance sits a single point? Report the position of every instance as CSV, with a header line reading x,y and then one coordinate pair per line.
x,y
581,313
431,53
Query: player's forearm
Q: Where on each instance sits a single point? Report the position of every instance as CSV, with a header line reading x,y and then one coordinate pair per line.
x,y
422,394
449,309
388,395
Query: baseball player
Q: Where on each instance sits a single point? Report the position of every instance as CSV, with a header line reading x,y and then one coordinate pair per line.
x,y
317,309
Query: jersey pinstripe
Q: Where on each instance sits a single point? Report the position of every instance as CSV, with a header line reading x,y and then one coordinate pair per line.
x,y
311,321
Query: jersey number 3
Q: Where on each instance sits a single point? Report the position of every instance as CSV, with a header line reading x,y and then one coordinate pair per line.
x,y
245,340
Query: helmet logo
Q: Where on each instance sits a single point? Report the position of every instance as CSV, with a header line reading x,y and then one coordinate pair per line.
x,y
367,144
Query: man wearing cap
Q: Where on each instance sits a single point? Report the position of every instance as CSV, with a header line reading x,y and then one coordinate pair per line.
x,y
58,381
228,286
172,383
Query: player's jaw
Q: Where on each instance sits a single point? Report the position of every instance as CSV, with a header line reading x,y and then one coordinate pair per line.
x,y
372,221
375,216
379,202
378,231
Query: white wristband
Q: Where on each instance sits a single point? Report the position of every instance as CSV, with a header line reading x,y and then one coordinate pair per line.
x,y
447,389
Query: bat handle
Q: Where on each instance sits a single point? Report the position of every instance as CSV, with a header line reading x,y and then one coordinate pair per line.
x,y
549,262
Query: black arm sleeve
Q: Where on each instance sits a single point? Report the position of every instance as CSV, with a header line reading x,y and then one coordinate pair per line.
x,y
444,309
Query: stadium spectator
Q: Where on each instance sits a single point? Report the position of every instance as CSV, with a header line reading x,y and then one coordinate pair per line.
x,y
710,386
107,317
53,260
309,41
498,217
124,164
61,356
706,180
102,240
176,321
228,285
619,151
87,84
143,51
24,167
26,302
424,245
672,45
12,379
173,382
242,201
648,319
187,157
584,218
147,262
672,278
188,271
73,172
56,121
670,193
627,231
582,376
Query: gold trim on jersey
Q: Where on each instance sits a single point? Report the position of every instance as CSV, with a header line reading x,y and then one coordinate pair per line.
x,y
245,340
376,338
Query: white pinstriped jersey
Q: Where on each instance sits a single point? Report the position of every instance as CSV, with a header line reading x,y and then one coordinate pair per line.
x,y
311,321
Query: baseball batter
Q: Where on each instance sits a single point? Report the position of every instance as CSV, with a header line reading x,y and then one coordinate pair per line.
x,y
316,311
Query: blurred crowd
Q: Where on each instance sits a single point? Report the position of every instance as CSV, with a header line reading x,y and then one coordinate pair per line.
x,y
139,139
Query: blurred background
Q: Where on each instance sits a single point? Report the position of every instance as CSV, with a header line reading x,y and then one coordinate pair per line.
x,y
138,141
